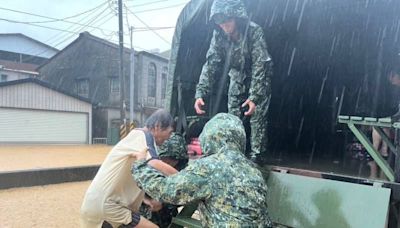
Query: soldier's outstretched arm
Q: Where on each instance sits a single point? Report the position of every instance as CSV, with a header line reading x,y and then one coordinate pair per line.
x,y
163,167
213,64
261,69
190,184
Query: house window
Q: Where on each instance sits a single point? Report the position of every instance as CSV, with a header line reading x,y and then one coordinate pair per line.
x,y
164,82
114,85
4,78
152,80
82,87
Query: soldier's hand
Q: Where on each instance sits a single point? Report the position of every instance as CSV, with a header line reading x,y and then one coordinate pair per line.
x,y
198,104
163,167
153,204
139,155
252,107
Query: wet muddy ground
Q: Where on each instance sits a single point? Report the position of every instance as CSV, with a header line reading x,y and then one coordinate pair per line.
x,y
52,156
42,206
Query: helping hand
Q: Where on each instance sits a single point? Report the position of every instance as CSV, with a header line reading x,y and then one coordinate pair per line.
x,y
140,155
252,107
198,104
153,204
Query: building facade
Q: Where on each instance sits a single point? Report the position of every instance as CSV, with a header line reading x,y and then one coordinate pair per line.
x,y
10,71
35,112
89,67
21,55
151,77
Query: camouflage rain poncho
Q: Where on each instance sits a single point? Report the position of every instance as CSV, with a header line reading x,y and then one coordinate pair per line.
x,y
174,147
249,68
229,190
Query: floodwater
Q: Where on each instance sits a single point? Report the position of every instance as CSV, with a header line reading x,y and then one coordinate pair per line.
x,y
42,206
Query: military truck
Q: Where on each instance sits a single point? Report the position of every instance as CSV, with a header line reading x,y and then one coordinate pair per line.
x,y
331,58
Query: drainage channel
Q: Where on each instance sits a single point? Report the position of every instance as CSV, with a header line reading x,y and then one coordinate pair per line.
x,y
35,177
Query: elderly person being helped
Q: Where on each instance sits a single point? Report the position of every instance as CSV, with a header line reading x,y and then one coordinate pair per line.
x,y
173,152
229,190
113,198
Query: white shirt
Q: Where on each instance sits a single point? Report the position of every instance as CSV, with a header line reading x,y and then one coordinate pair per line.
x,y
113,193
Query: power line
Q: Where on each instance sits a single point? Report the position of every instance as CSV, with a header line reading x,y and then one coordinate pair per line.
x,y
72,32
60,35
126,44
37,15
76,23
162,8
55,19
145,29
87,25
73,25
103,21
148,3
90,22
127,21
144,23
42,26
77,32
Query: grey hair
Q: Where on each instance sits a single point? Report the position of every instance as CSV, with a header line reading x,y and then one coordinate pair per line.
x,y
160,118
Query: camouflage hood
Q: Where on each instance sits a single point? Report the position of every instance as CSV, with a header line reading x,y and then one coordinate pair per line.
x,y
174,147
223,131
228,9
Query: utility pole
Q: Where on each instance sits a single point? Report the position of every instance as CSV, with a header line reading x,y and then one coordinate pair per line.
x,y
121,64
132,79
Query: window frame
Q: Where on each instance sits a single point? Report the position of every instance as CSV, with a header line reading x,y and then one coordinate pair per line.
x,y
4,76
152,82
79,82
115,86
164,79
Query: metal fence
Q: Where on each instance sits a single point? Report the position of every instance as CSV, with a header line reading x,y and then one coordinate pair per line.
x,y
99,140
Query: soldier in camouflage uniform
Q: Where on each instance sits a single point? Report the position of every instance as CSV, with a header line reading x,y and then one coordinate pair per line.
x,y
173,152
239,43
229,190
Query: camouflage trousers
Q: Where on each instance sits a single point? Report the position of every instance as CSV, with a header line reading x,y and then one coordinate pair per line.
x,y
161,218
258,121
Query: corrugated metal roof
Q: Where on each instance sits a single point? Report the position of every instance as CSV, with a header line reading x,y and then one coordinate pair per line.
x,y
16,66
44,84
